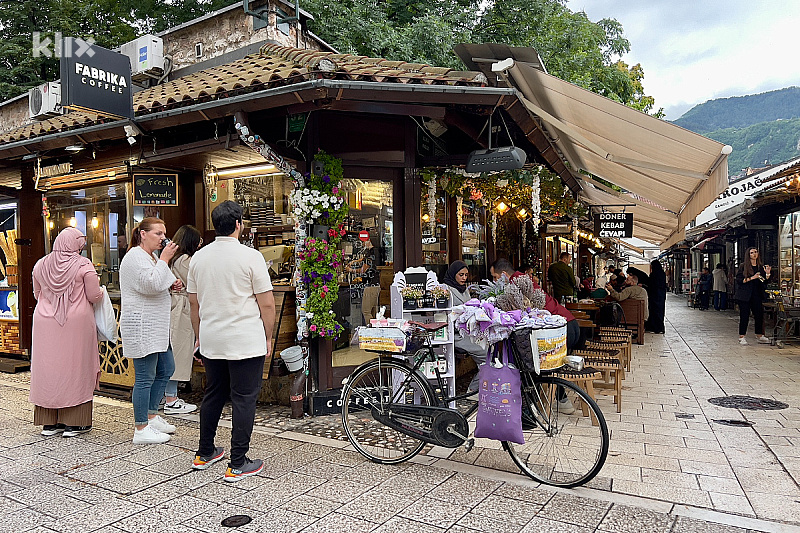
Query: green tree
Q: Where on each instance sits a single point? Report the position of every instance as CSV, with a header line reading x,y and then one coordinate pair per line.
x,y
109,22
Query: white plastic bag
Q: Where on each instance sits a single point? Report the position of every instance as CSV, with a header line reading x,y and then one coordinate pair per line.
x,y
104,317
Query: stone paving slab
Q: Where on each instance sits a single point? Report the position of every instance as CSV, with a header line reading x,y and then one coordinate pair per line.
x,y
671,467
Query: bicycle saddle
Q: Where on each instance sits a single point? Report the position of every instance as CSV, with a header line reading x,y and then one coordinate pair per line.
x,y
430,327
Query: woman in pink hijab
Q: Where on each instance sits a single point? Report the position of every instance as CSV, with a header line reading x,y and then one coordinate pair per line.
x,y
65,365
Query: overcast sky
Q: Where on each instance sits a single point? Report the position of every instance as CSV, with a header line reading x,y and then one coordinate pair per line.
x,y
697,50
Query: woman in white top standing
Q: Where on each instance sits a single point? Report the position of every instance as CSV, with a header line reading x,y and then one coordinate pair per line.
x,y
144,325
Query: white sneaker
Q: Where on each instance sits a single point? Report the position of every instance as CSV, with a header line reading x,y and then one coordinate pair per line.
x,y
149,435
161,425
742,341
566,407
763,339
178,407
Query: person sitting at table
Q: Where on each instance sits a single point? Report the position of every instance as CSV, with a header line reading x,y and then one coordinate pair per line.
x,y
586,288
631,290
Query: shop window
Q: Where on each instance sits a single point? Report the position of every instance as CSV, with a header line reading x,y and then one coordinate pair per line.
x,y
268,224
368,250
473,240
102,214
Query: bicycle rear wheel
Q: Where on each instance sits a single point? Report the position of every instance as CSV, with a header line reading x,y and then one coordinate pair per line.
x,y
561,448
374,386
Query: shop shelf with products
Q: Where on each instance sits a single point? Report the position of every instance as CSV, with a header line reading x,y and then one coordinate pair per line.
x,y
443,342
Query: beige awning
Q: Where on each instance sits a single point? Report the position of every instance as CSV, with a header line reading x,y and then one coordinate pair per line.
x,y
650,223
681,171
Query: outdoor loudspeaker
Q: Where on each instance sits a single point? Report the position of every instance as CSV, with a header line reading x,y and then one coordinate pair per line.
x,y
504,158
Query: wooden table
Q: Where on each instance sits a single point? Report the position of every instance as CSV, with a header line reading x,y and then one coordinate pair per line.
x,y
575,306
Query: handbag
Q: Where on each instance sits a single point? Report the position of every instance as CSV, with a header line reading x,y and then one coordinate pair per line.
x,y
499,398
105,320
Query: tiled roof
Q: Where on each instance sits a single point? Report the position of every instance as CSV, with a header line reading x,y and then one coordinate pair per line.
x,y
273,66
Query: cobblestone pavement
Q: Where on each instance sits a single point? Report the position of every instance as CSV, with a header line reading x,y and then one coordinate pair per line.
x,y
671,468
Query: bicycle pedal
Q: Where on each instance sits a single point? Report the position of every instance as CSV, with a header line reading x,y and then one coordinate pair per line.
x,y
468,445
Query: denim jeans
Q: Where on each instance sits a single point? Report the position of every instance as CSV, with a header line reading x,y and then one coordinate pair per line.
x,y
152,374
172,389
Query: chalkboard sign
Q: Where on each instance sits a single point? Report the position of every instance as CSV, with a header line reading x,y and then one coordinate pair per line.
x,y
155,189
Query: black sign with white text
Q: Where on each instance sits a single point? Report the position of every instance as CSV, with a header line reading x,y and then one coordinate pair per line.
x,y
95,79
618,225
155,189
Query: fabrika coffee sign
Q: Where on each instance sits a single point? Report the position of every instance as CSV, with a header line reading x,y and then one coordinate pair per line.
x,y
95,79
619,225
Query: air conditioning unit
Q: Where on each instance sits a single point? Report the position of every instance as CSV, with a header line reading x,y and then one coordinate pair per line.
x,y
147,57
44,101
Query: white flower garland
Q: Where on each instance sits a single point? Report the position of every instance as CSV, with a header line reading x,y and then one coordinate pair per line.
x,y
494,227
432,205
536,205
460,213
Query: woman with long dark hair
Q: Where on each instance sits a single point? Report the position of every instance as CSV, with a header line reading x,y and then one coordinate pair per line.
x,y
751,280
181,334
657,297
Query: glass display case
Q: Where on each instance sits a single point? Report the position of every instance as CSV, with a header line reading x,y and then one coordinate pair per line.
x,y
101,213
434,232
789,250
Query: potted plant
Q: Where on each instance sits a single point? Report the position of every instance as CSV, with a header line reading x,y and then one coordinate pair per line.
x,y
410,296
428,300
442,296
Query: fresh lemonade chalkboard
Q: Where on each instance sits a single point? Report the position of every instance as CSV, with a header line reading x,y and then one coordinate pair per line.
x,y
155,189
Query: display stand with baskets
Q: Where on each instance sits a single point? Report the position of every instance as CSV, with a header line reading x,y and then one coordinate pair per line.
x,y
443,342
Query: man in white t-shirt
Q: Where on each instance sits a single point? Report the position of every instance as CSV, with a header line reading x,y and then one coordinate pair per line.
x,y
233,313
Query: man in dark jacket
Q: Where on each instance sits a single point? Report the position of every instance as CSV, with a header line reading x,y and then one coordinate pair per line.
x,y
562,277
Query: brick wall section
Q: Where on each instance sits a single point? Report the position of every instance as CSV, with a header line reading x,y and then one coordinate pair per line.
x,y
14,115
225,33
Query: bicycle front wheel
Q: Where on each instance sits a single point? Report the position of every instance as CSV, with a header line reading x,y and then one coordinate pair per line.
x,y
375,386
566,442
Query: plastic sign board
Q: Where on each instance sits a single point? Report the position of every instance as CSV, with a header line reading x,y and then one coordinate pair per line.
x,y
155,189
363,235
619,225
95,79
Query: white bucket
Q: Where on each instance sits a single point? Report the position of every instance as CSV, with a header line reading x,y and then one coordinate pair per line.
x,y
293,357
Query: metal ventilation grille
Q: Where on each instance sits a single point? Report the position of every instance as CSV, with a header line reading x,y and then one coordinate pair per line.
x,y
36,101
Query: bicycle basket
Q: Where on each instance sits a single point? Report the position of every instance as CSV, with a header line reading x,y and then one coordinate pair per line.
x,y
547,348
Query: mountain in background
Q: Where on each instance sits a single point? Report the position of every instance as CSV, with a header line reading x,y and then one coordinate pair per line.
x,y
763,129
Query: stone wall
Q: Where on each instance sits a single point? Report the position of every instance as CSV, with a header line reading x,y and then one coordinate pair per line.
x,y
224,33
14,114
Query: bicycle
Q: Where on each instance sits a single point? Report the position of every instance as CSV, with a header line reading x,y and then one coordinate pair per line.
x,y
390,413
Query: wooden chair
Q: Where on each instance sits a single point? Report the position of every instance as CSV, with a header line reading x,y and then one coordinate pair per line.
x,y
608,363
634,317
622,346
626,352
583,379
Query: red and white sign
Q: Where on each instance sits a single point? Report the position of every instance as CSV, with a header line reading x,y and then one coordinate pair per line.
x,y
363,235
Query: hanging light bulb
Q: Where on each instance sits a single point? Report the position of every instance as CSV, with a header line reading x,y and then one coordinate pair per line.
x,y
73,222
502,207
426,217
51,224
95,221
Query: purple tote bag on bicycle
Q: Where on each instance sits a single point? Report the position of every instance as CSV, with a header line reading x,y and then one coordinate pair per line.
x,y
499,398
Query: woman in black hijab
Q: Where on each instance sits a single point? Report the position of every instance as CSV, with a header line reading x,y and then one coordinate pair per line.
x,y
657,297
456,279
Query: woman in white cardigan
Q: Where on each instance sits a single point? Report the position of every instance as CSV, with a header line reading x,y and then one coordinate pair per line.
x,y
144,325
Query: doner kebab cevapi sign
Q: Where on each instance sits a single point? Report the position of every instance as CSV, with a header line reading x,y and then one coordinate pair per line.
x,y
98,80
614,225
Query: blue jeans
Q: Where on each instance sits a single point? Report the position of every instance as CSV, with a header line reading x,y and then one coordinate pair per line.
x,y
172,389
152,374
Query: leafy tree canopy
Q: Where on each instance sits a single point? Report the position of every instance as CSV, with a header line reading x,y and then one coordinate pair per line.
x,y
109,22
571,46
